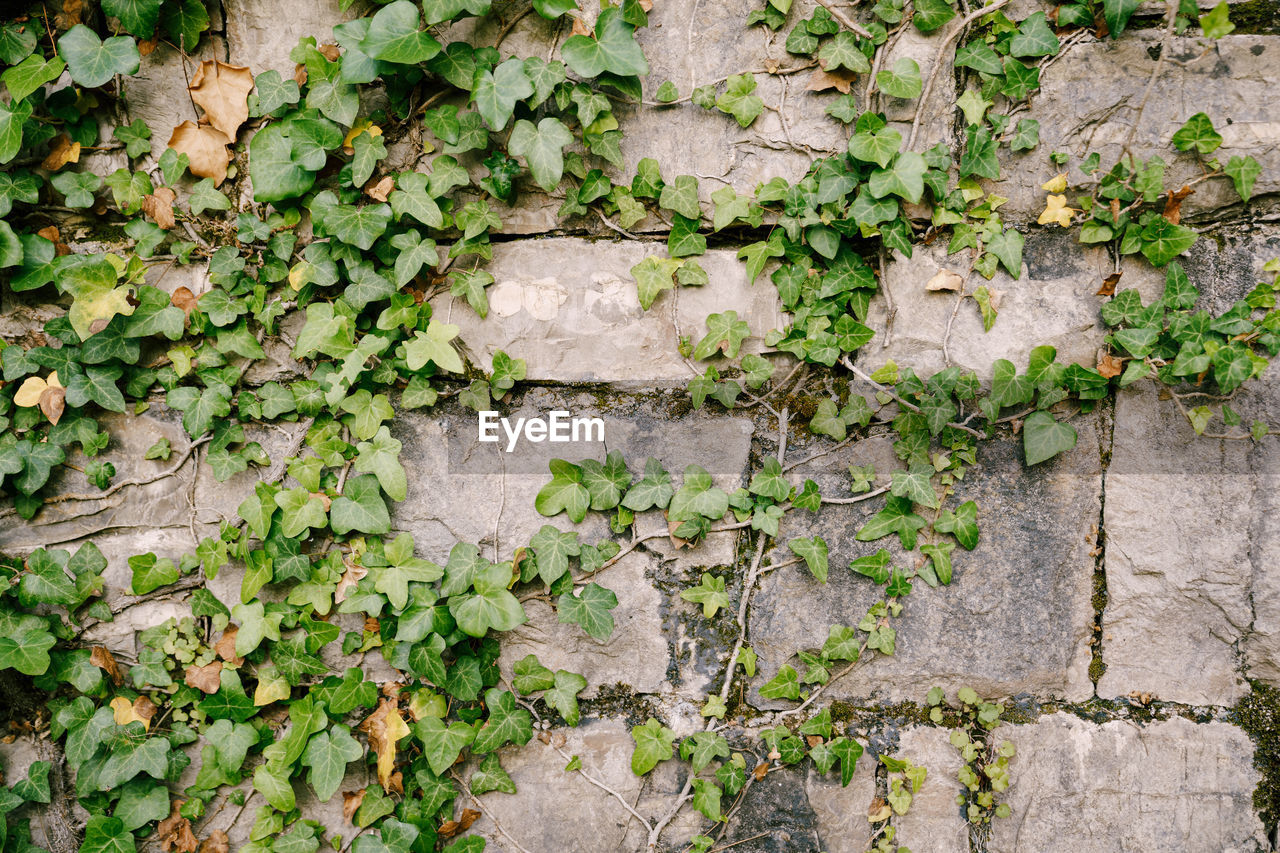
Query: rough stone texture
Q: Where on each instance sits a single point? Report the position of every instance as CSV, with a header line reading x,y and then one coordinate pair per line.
x,y
157,94
578,300
1167,786
1191,550
1052,302
1015,617
260,33
839,812
934,823
1090,97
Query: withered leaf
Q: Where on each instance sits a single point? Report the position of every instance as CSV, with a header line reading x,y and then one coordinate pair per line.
x,y
159,206
174,832
1109,285
183,298
226,646
379,190
101,657
1173,207
52,402
821,80
351,801
217,842
222,91
207,678
1109,365
61,152
945,280
206,149
385,727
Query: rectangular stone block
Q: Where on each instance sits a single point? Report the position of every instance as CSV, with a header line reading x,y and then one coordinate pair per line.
x,y
1167,786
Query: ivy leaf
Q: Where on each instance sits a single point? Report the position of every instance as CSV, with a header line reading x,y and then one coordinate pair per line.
x,y
26,644
903,81
443,744
614,49
709,593
1217,23
605,483
565,493
150,573
814,553
1007,246
905,179
701,748
507,723
1034,38
542,147
490,777
1116,13
107,835
654,743
784,685
843,52
552,9
563,696
962,524
979,56
681,196
30,74
1198,134
654,275
361,507
496,92
698,496
1162,241
589,608
433,346
381,457
739,100
932,14
91,281
725,332
327,91
328,754
529,676
652,490
916,484
896,517
491,606
770,482
1044,437
12,118
92,61
553,548
877,147
1242,171
394,36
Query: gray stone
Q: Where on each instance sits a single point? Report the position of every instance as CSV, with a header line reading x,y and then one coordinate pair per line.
x,y
841,812
570,308
1090,98
1167,786
934,823
1017,615
1052,303
260,33
776,816
1191,552
560,810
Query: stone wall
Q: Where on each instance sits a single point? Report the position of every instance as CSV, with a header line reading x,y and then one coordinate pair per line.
x,y
1124,598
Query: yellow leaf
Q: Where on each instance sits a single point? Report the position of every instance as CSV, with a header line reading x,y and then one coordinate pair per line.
x,y
29,394
385,727
1057,185
1056,211
126,713
359,128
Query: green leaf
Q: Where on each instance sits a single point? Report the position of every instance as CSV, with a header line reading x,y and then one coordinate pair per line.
x,y
877,147
1026,136
107,835
394,36
652,490
433,346
301,510
903,81
1198,134
327,91
491,606
784,685
1116,14
1162,241
565,493
589,607
150,573
361,508
614,49
654,743
698,496
709,593
552,549
770,481
1034,38
491,777
1007,246
184,21
896,517
380,457
1044,437
272,168
328,754
563,697
940,554
496,92
507,723
916,484
932,14
529,676
443,744
25,646
542,146
905,179
92,61
654,275
979,157
12,118
842,51
91,280
980,57
739,100
30,74
725,333
1242,171
814,553
552,9
141,802
1216,22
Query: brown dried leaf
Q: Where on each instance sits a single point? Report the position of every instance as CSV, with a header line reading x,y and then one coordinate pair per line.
x,y
1110,366
217,842
226,646
996,297
145,709
52,402
61,152
647,5
580,28
330,52
159,206
379,190
352,576
351,801
207,678
222,91
1109,285
71,14
300,74
945,280
205,147
174,832
676,541
762,770
102,658
821,80
145,48
1173,207
186,300
385,727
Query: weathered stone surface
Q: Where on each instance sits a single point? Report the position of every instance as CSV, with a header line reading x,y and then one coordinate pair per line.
x,y
157,94
260,33
1052,303
776,816
559,810
934,823
840,813
1090,98
578,300
1191,552
1167,786
1015,618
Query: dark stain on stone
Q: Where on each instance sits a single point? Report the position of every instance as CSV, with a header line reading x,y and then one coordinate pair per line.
x,y
778,811
1257,49
1259,715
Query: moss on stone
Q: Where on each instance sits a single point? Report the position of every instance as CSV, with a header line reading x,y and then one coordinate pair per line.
x,y
1259,715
